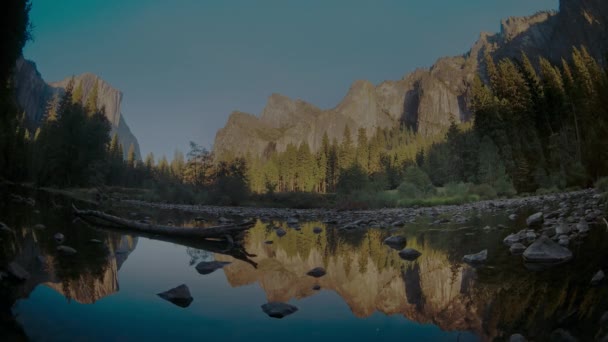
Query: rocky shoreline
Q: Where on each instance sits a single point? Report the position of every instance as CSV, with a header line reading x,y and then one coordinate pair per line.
x,y
569,207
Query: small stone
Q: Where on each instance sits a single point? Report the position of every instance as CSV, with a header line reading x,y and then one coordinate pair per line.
x,y
292,220
269,242
562,229
39,226
545,251
598,278
278,310
59,237
513,217
563,240
179,296
17,271
535,220
476,258
316,287
317,272
66,250
409,254
582,226
207,267
396,242
4,228
280,232
517,338
511,239
517,248
317,230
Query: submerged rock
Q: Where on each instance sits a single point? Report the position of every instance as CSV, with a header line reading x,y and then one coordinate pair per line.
x,y
280,232
317,230
269,242
59,237
598,278
513,217
317,272
562,228
4,228
66,250
316,287
517,248
517,338
179,296
278,310
409,254
535,220
17,271
512,239
546,251
563,240
207,267
396,241
476,258
582,226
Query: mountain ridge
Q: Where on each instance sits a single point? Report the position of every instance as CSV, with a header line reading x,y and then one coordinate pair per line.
x,y
425,99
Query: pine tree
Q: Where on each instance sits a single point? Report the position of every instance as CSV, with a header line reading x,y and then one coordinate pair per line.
x,y
131,157
91,105
347,151
362,155
77,95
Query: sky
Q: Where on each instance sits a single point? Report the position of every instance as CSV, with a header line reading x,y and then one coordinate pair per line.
x,y
185,65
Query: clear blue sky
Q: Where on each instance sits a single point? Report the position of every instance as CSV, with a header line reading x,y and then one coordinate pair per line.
x,y
185,65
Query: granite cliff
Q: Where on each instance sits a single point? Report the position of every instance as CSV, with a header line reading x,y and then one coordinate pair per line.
x,y
33,94
425,99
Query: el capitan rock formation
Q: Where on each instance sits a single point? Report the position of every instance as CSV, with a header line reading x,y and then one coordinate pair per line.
x,y
426,99
33,94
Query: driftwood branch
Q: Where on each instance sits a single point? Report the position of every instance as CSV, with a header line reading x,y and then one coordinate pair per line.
x,y
217,232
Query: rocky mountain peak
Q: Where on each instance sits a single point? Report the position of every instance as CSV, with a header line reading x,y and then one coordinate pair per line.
x,y
33,94
425,99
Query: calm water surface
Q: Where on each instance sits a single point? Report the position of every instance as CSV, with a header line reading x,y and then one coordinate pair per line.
x,y
108,291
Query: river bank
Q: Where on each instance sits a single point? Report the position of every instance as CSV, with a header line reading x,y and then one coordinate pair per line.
x,y
570,206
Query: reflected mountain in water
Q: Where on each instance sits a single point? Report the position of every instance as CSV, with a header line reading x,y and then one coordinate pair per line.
x,y
83,284
436,288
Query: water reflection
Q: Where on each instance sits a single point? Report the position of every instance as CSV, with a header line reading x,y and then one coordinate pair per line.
x,y
370,277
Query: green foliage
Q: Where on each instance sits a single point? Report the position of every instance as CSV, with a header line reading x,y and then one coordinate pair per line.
x,y
352,179
483,191
602,185
418,179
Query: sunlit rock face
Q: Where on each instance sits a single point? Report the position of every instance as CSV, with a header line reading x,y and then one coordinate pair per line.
x,y
426,99
81,284
33,95
370,277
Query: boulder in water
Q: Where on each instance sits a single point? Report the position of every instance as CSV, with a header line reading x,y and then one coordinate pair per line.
x,y
317,230
207,267
396,241
409,254
278,310
535,220
280,232
546,251
477,258
59,237
598,278
66,250
179,296
17,271
317,272
517,248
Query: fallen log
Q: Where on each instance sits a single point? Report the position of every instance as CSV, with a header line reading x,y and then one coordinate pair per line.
x,y
217,232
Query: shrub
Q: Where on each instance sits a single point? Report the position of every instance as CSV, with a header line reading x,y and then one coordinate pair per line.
x,y
484,191
415,176
409,190
352,179
504,187
456,189
602,184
